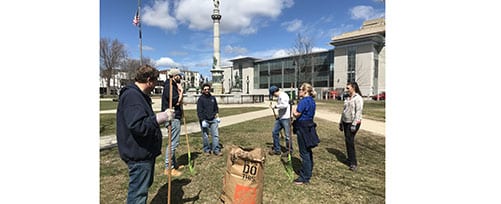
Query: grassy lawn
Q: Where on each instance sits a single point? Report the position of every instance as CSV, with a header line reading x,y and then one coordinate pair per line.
x,y
332,182
373,110
108,105
107,121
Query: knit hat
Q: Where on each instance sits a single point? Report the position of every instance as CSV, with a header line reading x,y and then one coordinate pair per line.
x,y
174,72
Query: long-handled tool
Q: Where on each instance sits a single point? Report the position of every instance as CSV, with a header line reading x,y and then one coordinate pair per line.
x,y
192,170
170,144
289,144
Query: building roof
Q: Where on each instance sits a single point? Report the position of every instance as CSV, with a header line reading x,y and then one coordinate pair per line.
x,y
370,28
244,59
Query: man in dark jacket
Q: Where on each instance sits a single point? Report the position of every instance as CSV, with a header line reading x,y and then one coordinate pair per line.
x,y
207,111
138,132
177,101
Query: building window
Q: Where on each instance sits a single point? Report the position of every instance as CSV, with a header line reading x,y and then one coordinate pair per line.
x,y
376,72
352,51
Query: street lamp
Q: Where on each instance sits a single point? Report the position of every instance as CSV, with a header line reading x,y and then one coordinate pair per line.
x,y
247,84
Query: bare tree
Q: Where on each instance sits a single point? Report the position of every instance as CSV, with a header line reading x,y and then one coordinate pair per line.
x,y
301,52
110,57
130,66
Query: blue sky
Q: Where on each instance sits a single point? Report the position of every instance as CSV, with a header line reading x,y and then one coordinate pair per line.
x,y
179,33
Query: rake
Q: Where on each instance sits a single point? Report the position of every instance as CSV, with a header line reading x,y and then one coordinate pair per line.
x,y
289,144
190,163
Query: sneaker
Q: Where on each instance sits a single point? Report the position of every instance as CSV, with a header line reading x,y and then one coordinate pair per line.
x,y
173,172
300,181
353,167
207,153
218,154
271,152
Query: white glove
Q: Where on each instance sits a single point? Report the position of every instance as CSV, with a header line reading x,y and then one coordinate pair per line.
x,y
218,120
205,124
165,116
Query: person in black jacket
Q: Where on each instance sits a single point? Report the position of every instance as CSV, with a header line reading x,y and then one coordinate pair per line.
x,y
207,111
177,101
138,132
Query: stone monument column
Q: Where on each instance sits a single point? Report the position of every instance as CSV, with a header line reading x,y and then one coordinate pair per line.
x,y
217,72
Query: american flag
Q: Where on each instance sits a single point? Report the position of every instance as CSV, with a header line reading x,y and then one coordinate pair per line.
x,y
135,21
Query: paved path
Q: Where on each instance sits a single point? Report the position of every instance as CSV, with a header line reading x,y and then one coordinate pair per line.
x,y
369,125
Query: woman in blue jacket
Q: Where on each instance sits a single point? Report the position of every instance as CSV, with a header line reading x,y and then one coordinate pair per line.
x,y
305,129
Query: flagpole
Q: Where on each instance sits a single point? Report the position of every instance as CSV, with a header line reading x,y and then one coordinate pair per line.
x,y
140,34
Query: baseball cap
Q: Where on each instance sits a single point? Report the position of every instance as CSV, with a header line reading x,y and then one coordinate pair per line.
x,y
273,89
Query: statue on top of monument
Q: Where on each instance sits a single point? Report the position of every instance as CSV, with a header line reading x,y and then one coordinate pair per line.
x,y
216,3
214,62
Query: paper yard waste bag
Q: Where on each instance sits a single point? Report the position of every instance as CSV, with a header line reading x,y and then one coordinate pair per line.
x,y
244,176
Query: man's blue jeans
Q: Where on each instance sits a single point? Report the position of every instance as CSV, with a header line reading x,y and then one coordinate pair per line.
x,y
213,127
279,124
140,180
307,158
176,131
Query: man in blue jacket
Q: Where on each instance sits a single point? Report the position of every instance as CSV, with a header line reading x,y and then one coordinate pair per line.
x,y
207,111
138,132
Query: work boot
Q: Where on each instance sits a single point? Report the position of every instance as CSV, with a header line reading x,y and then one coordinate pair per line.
x,y
173,172
271,152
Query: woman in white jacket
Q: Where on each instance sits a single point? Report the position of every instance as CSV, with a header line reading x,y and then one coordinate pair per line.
x,y
351,119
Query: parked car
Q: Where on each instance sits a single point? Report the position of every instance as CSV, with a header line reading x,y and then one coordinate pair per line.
x,y
380,96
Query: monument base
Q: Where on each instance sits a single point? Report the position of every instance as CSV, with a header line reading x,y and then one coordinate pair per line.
x,y
217,88
234,90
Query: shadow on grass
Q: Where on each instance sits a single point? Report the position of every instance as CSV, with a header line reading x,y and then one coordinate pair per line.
x,y
177,193
183,159
340,156
296,163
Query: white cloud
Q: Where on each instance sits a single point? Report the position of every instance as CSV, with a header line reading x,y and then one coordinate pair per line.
x,y
365,13
145,47
195,13
234,50
292,26
318,49
238,16
158,16
268,54
280,53
166,62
